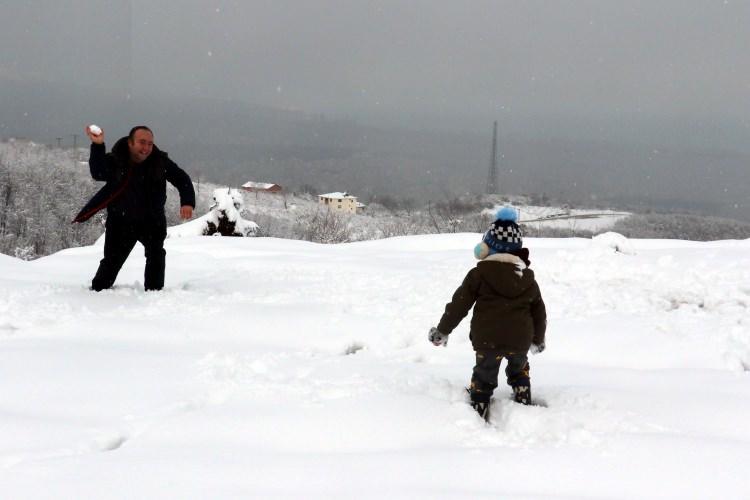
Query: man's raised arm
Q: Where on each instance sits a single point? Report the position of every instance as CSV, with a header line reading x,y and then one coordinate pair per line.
x,y
97,158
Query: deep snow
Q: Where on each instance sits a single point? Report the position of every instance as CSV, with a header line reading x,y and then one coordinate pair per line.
x,y
284,369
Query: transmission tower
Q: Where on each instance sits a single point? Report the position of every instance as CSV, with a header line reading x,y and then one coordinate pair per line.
x,y
492,176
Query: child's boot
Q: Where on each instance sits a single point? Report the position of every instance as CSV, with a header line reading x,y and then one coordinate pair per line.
x,y
522,394
479,401
482,408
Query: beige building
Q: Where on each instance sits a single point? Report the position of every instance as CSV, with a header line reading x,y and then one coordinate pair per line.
x,y
341,202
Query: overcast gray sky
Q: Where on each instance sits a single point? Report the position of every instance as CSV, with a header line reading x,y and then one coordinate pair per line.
x,y
598,58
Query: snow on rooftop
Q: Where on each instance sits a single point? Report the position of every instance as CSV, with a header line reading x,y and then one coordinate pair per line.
x,y
259,185
337,195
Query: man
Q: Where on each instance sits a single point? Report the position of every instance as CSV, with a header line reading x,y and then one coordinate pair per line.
x,y
136,174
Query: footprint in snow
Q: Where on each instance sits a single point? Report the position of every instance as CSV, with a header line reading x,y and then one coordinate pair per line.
x,y
110,442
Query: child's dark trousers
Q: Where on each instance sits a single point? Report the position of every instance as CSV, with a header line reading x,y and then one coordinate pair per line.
x,y
484,377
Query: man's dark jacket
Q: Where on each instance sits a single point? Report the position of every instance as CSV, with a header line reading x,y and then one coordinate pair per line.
x,y
134,193
509,313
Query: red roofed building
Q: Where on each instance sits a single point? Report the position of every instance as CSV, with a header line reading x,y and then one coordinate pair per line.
x,y
261,187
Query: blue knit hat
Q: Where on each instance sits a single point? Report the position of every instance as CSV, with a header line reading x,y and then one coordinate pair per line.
x,y
503,236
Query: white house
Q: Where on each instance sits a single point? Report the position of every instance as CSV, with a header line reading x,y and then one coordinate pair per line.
x,y
341,202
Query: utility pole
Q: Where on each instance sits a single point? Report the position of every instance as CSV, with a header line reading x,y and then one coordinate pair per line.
x,y
492,187
74,153
59,141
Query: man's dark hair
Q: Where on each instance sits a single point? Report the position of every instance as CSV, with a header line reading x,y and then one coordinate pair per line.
x,y
136,129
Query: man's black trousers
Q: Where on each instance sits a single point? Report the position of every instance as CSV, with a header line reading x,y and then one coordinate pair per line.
x,y
119,240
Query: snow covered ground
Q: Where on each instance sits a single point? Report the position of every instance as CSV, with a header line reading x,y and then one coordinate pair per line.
x,y
284,369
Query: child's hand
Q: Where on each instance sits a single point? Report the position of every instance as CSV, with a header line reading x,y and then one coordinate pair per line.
x,y
437,337
537,348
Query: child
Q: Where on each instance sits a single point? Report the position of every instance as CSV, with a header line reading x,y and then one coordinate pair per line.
x,y
509,316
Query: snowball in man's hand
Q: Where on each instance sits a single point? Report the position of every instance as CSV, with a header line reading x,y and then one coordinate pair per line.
x,y
94,129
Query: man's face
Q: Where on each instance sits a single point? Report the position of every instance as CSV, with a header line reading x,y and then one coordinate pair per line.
x,y
141,145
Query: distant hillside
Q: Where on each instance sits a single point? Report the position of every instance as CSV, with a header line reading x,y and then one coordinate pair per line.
x,y
41,189
231,142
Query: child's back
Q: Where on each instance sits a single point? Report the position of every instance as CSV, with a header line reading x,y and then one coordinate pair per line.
x,y
509,313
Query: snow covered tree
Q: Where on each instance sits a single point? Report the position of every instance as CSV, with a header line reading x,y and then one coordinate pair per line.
x,y
40,190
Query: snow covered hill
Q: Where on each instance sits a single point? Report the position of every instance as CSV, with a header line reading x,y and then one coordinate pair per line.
x,y
284,369
277,214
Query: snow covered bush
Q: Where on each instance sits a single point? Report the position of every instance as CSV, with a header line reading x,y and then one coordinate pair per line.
x,y
615,241
324,226
223,219
683,227
24,253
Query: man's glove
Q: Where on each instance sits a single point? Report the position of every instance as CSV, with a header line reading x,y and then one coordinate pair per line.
x,y
537,348
437,337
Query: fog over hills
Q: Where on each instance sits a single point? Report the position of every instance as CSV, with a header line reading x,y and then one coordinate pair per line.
x,y
232,142
639,103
